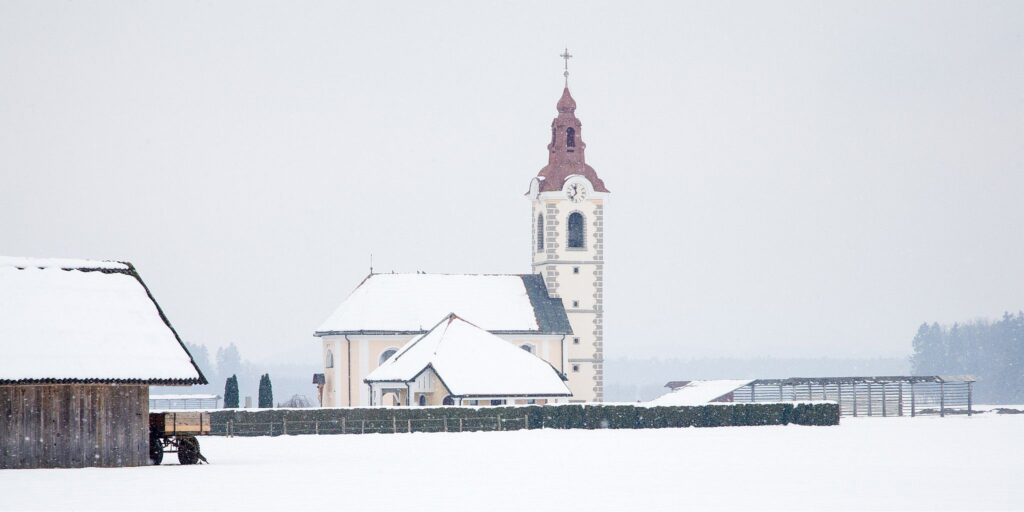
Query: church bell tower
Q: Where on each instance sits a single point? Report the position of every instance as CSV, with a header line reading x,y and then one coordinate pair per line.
x,y
568,200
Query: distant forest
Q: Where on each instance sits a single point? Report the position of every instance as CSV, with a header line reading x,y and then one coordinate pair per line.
x,y
991,351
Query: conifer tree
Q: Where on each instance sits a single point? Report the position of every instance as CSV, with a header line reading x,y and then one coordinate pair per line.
x,y
231,392
266,395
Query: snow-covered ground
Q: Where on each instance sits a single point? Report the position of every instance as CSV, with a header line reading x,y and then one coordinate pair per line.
x,y
865,463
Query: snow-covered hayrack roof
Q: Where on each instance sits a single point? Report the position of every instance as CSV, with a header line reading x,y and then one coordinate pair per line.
x,y
81,321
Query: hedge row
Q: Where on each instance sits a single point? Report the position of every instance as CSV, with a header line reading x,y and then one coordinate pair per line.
x,y
568,416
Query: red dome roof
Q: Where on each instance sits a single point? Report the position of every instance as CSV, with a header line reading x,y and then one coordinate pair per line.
x,y
566,151
566,104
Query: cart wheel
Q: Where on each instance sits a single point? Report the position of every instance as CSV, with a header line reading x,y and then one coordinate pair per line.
x,y
156,450
188,450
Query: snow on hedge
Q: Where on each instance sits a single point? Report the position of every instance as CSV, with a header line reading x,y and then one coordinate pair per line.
x,y
83,324
414,302
471,362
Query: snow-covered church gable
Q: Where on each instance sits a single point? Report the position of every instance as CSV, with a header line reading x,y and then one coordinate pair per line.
x,y
467,362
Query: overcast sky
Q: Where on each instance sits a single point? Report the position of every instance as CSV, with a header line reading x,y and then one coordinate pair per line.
x,y
787,179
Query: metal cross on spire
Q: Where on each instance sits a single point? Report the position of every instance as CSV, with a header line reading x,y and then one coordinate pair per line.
x,y
566,55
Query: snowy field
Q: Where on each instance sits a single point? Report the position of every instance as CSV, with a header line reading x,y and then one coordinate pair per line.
x,y
896,463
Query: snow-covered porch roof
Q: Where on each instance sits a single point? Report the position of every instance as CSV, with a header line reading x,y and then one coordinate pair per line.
x,y
471,362
80,321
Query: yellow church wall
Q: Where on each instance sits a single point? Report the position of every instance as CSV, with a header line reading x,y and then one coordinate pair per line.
x,y
365,353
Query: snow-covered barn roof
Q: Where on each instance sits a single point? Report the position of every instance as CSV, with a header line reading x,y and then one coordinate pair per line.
x,y
67,320
412,303
699,392
472,362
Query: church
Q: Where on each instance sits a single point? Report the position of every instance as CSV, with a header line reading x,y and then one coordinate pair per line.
x,y
406,339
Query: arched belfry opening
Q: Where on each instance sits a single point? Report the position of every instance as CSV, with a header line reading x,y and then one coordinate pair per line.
x,y
575,235
570,137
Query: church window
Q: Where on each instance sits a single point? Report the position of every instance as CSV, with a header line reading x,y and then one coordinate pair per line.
x,y
575,270
387,353
448,400
575,368
540,232
329,362
527,347
575,341
575,230
423,400
570,138
575,303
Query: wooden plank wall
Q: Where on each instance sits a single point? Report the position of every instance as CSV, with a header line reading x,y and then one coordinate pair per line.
x,y
73,425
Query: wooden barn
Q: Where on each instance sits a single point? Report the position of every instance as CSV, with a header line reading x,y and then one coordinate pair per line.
x,y
81,343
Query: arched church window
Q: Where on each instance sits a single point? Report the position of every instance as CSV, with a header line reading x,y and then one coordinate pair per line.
x,y
329,362
423,400
576,238
570,137
448,400
540,232
387,353
527,347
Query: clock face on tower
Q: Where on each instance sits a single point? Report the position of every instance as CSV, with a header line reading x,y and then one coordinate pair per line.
x,y
576,192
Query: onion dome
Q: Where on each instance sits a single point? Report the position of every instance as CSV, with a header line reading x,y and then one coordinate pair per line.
x,y
566,104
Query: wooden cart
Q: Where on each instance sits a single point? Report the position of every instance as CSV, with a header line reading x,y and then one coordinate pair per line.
x,y
175,432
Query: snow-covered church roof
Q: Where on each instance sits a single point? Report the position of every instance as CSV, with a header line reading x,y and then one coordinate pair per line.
x,y
412,303
472,362
65,320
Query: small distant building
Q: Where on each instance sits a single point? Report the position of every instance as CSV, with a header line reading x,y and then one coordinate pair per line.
x,y
187,401
82,341
458,363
